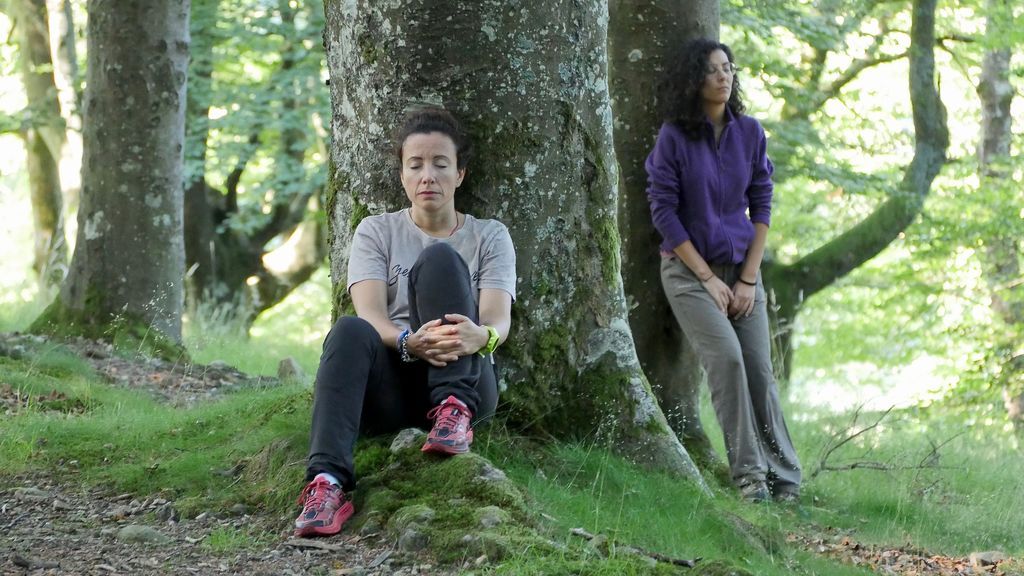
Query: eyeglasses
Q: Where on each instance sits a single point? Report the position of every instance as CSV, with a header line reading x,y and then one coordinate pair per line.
x,y
729,69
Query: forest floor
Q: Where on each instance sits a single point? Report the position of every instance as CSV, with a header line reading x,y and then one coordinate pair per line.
x,y
54,525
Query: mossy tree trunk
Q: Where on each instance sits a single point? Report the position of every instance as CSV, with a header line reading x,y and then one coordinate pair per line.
x,y
643,36
530,83
1002,250
129,261
792,284
44,138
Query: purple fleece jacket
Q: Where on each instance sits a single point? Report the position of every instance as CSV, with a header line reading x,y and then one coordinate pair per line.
x,y
702,193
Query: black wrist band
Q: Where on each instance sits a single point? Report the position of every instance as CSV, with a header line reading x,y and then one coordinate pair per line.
x,y
747,283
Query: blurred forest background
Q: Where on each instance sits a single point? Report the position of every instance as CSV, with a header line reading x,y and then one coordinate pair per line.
x,y
891,289
938,314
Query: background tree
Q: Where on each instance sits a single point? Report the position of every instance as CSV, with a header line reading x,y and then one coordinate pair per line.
x,y
1002,248
531,86
643,36
128,264
255,155
826,30
43,131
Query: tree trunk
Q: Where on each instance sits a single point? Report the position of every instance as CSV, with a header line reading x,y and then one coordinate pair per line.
x,y
643,35
126,274
44,139
1002,251
530,85
794,283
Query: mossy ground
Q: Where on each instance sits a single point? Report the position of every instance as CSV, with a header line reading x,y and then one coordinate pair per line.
x,y
249,448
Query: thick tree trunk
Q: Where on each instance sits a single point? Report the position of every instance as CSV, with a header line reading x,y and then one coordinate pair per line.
x,y
530,84
44,139
643,35
794,283
129,258
1002,252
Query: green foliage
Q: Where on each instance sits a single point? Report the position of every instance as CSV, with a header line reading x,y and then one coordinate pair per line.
x,y
260,70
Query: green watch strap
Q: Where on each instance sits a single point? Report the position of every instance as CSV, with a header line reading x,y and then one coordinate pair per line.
x,y
492,341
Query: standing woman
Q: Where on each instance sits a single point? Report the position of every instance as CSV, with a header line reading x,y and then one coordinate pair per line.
x,y
432,289
710,191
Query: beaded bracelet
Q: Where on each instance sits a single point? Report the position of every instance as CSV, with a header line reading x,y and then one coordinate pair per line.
x,y
403,347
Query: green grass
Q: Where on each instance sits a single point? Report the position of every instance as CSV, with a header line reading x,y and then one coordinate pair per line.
x,y
249,447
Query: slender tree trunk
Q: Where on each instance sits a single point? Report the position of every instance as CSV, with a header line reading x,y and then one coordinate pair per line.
x,y
791,284
530,84
43,140
643,36
128,266
1002,252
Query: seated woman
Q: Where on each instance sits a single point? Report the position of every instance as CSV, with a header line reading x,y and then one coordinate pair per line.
x,y
710,191
433,291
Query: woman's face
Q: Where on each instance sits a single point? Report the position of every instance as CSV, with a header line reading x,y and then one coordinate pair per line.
x,y
718,76
429,173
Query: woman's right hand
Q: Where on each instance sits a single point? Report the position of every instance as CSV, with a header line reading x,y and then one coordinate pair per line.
x,y
719,292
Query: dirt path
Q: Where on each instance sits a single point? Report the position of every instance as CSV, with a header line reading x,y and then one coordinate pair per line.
x,y
48,528
52,527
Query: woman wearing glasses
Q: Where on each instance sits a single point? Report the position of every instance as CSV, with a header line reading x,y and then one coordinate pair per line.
x,y
710,191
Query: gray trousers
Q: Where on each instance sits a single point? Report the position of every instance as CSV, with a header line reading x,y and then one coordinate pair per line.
x,y
736,354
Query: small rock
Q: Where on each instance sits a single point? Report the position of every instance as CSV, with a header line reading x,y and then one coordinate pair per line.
x,y
599,545
240,509
412,540
121,511
141,534
491,516
491,474
407,439
31,494
61,505
220,365
407,516
167,513
371,526
289,370
981,559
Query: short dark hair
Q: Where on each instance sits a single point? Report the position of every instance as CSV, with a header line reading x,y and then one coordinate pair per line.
x,y
680,101
429,119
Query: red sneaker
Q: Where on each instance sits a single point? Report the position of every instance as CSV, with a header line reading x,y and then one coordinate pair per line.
x,y
451,433
325,509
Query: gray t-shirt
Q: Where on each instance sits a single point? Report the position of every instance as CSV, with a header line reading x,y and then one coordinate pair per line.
x,y
386,246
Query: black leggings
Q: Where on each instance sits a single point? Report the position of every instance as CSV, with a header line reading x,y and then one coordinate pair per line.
x,y
362,386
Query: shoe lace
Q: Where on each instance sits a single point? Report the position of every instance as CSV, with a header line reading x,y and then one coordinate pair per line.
x,y
314,494
446,416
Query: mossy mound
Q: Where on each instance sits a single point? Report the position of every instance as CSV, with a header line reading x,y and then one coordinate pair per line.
x,y
464,511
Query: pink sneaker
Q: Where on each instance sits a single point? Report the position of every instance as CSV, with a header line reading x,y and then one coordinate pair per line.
x,y
451,433
325,509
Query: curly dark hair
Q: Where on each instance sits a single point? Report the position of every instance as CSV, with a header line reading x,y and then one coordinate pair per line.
x,y
429,119
680,101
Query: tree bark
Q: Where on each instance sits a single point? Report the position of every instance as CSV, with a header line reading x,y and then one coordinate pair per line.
x,y
643,35
1002,251
44,139
530,84
792,284
126,273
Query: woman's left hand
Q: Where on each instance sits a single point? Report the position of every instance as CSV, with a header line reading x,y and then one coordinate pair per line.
x,y
742,304
470,336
